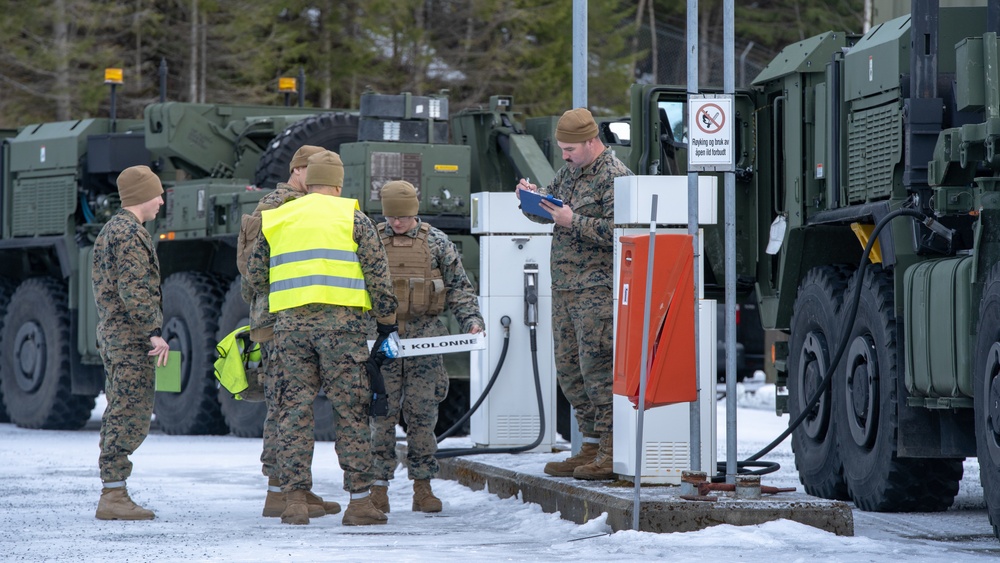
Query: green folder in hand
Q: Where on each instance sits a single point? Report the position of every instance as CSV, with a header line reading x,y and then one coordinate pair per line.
x,y
168,377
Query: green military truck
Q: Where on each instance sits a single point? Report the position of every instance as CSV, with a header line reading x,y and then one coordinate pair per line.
x,y
895,372
57,188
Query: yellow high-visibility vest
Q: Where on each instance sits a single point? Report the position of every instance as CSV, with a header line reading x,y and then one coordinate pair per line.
x,y
237,354
313,254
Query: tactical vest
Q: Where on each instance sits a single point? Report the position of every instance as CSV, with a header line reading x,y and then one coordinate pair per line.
x,y
313,254
419,289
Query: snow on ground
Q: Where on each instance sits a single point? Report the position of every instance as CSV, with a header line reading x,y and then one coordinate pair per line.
x,y
208,492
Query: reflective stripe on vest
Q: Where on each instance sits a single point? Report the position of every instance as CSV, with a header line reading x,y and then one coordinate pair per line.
x,y
313,254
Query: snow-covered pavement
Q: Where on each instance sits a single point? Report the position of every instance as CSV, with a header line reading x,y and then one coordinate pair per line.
x,y
208,492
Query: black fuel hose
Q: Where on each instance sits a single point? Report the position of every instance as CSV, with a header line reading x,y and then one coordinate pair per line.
x,y
505,322
842,347
456,452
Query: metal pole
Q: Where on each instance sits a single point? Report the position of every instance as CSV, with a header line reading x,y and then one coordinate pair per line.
x,y
643,372
579,101
728,54
163,80
743,64
302,87
580,47
114,109
692,88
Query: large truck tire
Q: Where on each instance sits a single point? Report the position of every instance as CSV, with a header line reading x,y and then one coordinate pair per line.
x,y
986,388
815,331
865,401
191,308
327,130
6,289
35,356
453,407
244,419
564,410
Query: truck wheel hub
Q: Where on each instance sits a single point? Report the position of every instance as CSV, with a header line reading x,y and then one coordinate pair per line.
x,y
862,390
29,356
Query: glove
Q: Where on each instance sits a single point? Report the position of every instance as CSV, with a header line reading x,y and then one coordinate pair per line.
x,y
387,342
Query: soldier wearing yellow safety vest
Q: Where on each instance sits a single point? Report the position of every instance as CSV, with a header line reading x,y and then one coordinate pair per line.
x,y
325,268
262,331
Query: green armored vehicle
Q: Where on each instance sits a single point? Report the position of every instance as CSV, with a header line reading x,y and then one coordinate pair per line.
x,y
894,372
57,188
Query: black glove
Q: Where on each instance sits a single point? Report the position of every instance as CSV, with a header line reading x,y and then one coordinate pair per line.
x,y
386,330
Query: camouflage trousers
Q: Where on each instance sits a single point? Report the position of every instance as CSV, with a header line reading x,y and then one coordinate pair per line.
x,y
269,454
416,386
130,390
305,362
582,328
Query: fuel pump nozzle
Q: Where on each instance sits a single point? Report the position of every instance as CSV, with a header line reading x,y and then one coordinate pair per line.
x,y
531,294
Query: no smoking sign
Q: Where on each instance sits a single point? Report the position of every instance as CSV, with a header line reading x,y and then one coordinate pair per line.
x,y
710,134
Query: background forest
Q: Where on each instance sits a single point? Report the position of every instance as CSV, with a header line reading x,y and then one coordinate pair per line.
x,y
53,53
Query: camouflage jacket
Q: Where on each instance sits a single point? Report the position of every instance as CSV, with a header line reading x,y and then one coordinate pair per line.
x,y
375,267
582,254
126,278
461,298
261,319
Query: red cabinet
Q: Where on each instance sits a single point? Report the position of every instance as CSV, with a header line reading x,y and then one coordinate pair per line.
x,y
671,346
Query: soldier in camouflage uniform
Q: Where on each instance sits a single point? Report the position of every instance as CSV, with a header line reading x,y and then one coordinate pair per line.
x,y
582,305
327,268
262,331
428,277
126,277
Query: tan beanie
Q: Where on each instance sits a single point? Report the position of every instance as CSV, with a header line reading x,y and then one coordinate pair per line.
x,y
576,126
325,169
138,184
301,156
399,199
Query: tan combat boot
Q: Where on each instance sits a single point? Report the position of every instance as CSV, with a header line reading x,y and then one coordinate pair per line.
x,y
296,509
274,502
602,467
115,504
423,498
380,497
588,451
316,502
361,512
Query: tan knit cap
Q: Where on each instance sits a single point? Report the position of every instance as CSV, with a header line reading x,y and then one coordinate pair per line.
x,y
399,199
301,156
138,184
325,169
576,126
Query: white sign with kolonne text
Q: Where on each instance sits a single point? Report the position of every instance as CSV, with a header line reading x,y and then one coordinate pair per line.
x,y
410,347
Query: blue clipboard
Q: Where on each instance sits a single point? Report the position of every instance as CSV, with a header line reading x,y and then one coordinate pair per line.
x,y
530,203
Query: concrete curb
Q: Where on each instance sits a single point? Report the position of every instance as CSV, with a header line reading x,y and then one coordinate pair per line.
x,y
661,509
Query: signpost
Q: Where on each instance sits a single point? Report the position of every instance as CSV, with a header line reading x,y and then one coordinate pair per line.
x,y
710,129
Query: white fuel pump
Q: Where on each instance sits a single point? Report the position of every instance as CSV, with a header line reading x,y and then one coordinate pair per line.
x,y
666,441
514,283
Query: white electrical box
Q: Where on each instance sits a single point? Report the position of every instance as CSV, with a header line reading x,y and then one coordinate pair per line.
x,y
498,213
633,200
666,436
